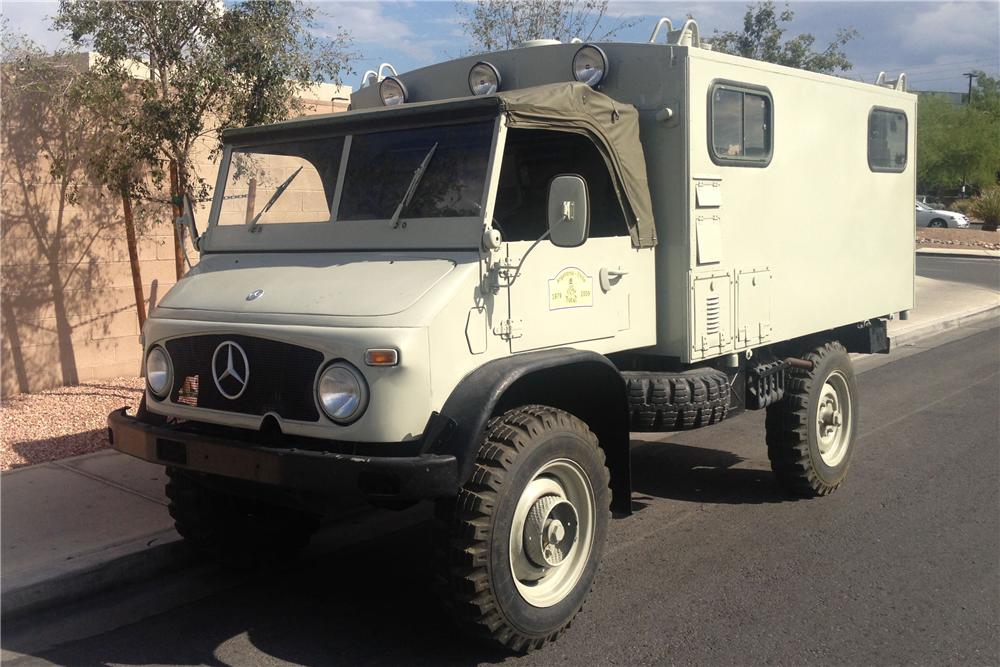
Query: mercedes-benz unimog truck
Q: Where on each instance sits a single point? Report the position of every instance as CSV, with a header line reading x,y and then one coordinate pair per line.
x,y
473,285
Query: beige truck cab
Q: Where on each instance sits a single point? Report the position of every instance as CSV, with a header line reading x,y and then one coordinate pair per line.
x,y
472,286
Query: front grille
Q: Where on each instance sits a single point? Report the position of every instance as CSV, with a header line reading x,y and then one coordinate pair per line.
x,y
279,379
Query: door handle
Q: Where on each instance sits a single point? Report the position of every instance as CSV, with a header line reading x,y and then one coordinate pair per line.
x,y
610,277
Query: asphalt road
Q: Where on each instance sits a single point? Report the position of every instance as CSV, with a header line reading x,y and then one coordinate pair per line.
x,y
978,271
715,566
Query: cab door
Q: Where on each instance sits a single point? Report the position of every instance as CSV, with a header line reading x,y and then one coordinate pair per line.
x,y
558,298
561,296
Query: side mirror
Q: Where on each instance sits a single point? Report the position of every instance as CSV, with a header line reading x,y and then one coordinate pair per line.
x,y
569,211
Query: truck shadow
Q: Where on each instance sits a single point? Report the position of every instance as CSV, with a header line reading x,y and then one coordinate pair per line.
x,y
697,474
368,604
371,604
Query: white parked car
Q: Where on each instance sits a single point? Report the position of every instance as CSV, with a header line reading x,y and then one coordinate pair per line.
x,y
930,217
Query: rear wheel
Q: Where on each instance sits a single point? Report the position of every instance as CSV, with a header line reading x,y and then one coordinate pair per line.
x,y
521,544
811,431
241,532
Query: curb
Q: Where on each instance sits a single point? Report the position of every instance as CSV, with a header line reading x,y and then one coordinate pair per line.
x,y
959,252
967,318
127,563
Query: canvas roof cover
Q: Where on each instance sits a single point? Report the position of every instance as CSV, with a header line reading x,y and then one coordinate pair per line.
x,y
568,106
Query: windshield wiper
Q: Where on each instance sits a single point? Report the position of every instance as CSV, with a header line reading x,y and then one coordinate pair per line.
x,y
270,202
414,182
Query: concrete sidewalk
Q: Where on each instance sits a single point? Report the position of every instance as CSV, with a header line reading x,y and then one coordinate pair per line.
x,y
79,526
73,527
942,305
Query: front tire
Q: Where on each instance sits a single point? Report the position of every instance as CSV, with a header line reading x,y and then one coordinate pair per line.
x,y
520,546
938,223
811,431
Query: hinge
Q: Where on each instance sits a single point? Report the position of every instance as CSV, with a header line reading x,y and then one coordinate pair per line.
x,y
506,267
509,329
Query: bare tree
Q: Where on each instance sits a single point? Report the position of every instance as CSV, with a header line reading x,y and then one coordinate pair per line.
x,y
763,38
503,24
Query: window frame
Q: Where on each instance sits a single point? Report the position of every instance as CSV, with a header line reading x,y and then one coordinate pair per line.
x,y
744,89
906,141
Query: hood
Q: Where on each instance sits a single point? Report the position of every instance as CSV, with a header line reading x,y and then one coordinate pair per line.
x,y
341,284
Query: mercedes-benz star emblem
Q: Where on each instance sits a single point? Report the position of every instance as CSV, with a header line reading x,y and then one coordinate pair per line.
x,y
230,370
254,294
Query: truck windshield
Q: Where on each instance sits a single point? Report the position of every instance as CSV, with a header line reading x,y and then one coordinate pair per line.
x,y
304,181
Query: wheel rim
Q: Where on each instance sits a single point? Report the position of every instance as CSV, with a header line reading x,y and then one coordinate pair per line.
x,y
552,534
833,419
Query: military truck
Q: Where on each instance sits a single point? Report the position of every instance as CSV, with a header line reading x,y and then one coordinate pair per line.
x,y
474,284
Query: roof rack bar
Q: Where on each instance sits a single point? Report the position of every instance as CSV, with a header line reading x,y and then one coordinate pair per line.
x,y
688,35
659,24
372,76
899,83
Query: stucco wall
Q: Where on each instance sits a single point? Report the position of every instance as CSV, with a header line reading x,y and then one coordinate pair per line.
x,y
68,307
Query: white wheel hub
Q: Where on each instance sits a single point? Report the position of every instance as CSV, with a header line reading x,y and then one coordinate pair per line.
x,y
552,534
550,531
833,419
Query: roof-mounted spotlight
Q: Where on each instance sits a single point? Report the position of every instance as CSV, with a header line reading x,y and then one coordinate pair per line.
x,y
590,65
484,79
392,91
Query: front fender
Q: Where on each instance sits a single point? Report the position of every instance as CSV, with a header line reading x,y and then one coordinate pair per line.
x,y
583,383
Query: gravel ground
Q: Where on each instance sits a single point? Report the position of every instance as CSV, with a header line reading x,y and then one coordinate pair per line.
x,y
974,237
62,422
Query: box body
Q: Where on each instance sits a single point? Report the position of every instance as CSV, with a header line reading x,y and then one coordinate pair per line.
x,y
812,240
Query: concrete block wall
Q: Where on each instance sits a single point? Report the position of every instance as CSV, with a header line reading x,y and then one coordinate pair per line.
x,y
67,305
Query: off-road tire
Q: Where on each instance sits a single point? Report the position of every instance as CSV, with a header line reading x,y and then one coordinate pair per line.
x,y
676,401
792,441
473,577
240,532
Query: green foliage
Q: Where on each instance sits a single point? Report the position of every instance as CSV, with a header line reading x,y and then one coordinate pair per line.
x,y
196,67
959,144
962,206
496,25
986,207
763,38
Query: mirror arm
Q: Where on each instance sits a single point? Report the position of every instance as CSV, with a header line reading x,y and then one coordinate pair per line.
x,y
186,220
517,270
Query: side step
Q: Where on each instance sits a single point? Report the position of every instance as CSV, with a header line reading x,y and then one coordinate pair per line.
x,y
676,401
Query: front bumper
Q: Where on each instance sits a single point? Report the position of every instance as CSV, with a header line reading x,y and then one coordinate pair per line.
x,y
344,476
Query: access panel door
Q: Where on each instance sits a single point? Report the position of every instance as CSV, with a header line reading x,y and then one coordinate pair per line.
x,y
563,296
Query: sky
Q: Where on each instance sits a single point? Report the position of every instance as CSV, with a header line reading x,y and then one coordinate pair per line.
x,y
933,42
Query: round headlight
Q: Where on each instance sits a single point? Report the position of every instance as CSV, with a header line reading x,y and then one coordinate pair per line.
x,y
342,392
392,91
484,79
590,65
158,371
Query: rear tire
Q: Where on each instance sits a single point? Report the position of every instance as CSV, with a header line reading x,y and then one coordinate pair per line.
x,y
811,431
520,546
240,532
